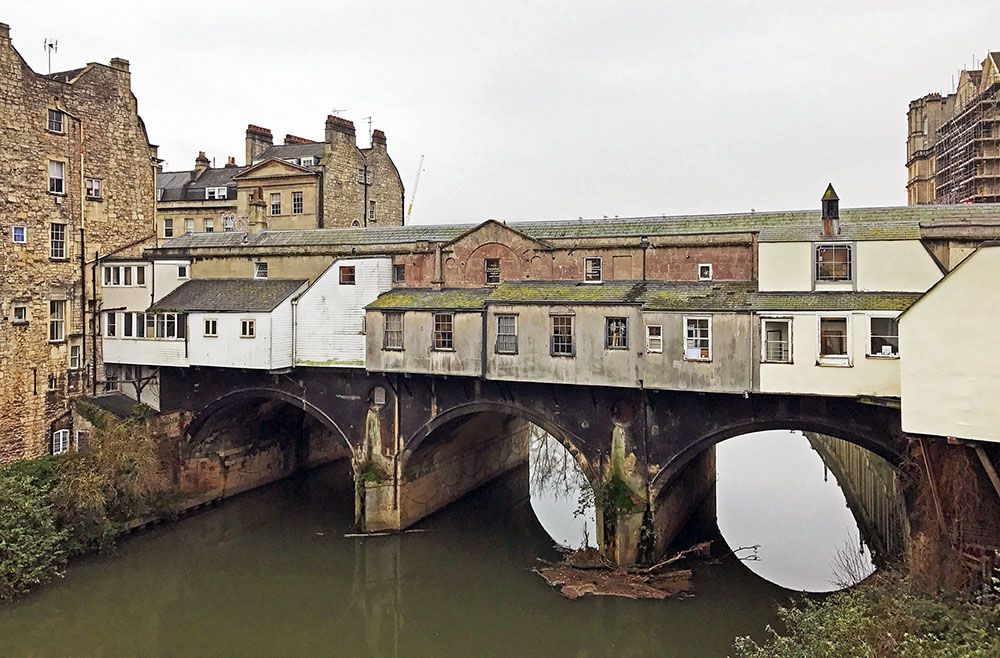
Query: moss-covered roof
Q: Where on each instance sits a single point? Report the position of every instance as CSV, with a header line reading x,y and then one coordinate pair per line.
x,y
891,223
424,299
649,295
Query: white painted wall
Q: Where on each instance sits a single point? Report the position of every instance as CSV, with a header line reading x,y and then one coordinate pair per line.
x,y
228,349
281,333
951,360
165,279
784,266
880,265
866,375
132,298
143,351
330,318
895,265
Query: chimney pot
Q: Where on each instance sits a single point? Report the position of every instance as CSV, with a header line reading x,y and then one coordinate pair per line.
x,y
231,161
378,137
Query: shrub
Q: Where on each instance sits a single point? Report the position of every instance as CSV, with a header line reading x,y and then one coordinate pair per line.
x,y
31,545
883,616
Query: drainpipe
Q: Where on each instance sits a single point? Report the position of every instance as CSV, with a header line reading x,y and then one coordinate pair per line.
x,y
438,282
97,322
295,328
484,315
644,244
83,305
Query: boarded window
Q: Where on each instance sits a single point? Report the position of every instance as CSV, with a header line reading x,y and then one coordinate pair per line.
x,y
592,269
492,271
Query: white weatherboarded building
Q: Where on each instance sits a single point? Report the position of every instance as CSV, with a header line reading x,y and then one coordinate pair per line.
x,y
330,314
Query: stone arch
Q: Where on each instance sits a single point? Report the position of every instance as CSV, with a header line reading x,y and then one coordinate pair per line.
x,y
218,405
566,438
891,451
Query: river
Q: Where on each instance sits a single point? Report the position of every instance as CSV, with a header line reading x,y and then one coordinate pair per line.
x,y
271,572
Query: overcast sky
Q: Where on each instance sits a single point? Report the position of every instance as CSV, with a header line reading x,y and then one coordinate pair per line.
x,y
555,110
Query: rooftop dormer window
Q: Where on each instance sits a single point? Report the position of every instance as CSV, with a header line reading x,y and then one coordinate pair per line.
x,y
307,162
834,263
216,193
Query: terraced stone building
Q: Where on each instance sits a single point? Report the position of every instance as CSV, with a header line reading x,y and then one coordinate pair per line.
x,y
76,180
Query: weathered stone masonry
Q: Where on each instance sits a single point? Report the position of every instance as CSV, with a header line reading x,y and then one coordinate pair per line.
x,y
102,138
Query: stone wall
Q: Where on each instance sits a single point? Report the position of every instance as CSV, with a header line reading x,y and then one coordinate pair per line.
x,y
345,198
103,138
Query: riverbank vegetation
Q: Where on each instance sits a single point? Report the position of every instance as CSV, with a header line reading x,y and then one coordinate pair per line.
x,y
59,506
885,616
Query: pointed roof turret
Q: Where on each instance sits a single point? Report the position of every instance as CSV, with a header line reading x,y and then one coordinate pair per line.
x,y
830,194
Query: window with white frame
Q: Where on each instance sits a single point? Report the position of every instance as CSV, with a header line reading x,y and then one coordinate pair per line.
x,y
372,217
883,336
561,340
209,225
616,333
57,320
654,338
57,177
248,328
74,357
115,276
275,203
307,161
182,272
53,383
154,325
57,241
19,313
833,337
111,324
506,334
159,194
492,267
444,331
364,176
215,193
260,270
56,121
698,339
392,338
95,188
592,269
777,340
19,234
189,225
834,262
211,327
705,272
168,227
297,205
60,442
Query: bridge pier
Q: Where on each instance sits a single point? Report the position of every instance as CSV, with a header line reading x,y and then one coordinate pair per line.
x,y
451,463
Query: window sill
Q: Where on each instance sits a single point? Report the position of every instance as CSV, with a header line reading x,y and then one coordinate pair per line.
x,y
248,337
393,349
442,349
884,357
593,282
777,363
833,362
693,360
95,198
19,323
51,193
562,355
616,349
58,258
61,341
499,353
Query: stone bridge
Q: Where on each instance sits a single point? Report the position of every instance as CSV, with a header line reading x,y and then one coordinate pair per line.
x,y
421,442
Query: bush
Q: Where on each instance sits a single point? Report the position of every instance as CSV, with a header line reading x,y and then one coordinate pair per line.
x,y
31,545
883,616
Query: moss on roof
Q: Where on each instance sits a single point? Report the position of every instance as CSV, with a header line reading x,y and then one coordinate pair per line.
x,y
736,296
415,299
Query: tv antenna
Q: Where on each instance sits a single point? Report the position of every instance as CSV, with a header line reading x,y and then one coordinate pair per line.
x,y
369,120
51,45
337,110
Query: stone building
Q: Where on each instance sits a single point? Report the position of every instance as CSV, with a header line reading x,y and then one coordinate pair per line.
x,y
300,184
76,181
953,141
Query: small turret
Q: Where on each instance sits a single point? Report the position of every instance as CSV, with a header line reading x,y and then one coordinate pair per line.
x,y
831,212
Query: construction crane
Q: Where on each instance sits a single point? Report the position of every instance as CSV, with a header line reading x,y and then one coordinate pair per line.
x,y
413,194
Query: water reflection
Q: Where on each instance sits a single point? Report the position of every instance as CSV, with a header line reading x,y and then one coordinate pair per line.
x,y
561,496
774,490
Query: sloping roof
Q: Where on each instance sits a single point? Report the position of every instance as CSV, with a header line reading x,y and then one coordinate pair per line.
x,y
259,164
894,223
734,296
423,299
291,152
229,295
182,186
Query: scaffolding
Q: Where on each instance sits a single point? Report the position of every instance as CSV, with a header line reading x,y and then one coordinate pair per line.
x,y
967,152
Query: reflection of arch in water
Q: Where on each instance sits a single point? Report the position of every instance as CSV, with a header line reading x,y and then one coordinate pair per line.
x,y
873,492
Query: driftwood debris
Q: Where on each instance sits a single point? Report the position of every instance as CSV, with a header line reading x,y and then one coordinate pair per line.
x,y
587,572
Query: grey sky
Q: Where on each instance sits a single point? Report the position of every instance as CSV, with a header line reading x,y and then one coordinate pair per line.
x,y
531,110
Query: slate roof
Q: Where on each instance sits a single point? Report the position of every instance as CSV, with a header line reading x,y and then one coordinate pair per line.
x,y
178,185
650,295
894,223
229,295
291,152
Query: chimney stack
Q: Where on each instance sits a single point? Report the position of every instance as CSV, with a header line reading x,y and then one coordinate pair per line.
x,y
295,139
201,163
231,162
258,140
4,31
119,64
336,126
831,212
378,139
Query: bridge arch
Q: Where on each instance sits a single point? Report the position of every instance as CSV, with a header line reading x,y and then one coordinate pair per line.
x,y
570,441
889,448
234,397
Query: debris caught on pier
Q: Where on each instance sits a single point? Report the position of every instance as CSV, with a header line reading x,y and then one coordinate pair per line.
x,y
586,571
